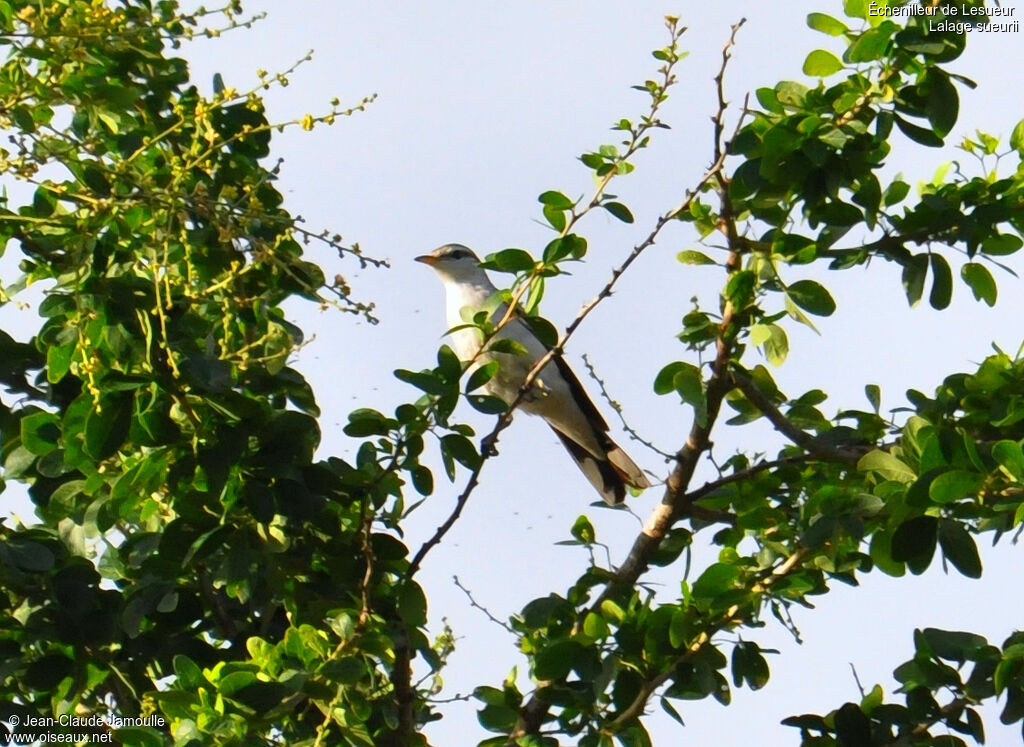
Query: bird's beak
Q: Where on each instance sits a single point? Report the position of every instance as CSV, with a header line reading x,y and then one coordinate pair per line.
x,y
427,259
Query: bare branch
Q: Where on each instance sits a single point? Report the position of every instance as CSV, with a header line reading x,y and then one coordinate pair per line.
x,y
618,411
477,605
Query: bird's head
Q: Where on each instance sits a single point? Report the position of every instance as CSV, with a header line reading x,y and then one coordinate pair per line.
x,y
454,262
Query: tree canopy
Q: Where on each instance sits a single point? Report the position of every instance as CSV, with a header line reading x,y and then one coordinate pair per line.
x,y
197,566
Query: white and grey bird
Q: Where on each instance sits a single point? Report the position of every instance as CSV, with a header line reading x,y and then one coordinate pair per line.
x,y
556,394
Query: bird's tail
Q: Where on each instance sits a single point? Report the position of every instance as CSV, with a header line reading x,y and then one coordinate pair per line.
x,y
609,476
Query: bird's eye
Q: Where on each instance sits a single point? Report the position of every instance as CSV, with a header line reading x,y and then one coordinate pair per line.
x,y
459,254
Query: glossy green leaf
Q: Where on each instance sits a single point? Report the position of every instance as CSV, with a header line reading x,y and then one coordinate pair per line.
x,y
511,260
812,297
487,404
557,659
895,193
954,485
1001,245
693,257
942,282
1017,137
716,579
980,281
556,200
826,24
618,210
821,64
583,530
106,426
959,548
481,375
918,134
40,432
874,394
914,541
943,103
915,270
1010,457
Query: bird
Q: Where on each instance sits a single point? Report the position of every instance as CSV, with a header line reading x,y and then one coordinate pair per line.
x,y
556,394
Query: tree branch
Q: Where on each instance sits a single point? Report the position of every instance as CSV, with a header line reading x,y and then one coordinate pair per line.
x,y
534,713
782,424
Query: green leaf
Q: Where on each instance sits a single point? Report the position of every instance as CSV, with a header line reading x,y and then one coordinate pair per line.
x,y
106,426
895,192
915,270
954,485
556,200
569,245
822,64
943,103
557,659
40,432
918,134
766,97
554,217
427,381
412,604
942,282
58,361
693,257
461,449
664,382
874,395
487,404
366,422
914,542
812,297
856,8
887,466
1017,137
826,24
595,626
27,555
481,376
749,665
508,346
1010,458
716,579
980,281
619,210
511,260
852,726
422,480
954,645
871,44
498,718
773,340
959,548
583,530
1001,245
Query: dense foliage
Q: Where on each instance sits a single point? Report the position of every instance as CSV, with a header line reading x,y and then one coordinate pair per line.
x,y
195,562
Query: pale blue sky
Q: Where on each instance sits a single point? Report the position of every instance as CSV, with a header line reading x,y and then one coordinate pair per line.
x,y
481,107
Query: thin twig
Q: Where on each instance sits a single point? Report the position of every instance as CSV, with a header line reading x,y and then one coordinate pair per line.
x,y
618,411
783,425
477,605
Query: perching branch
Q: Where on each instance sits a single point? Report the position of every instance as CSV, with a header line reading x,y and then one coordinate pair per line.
x,y
674,504
505,419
